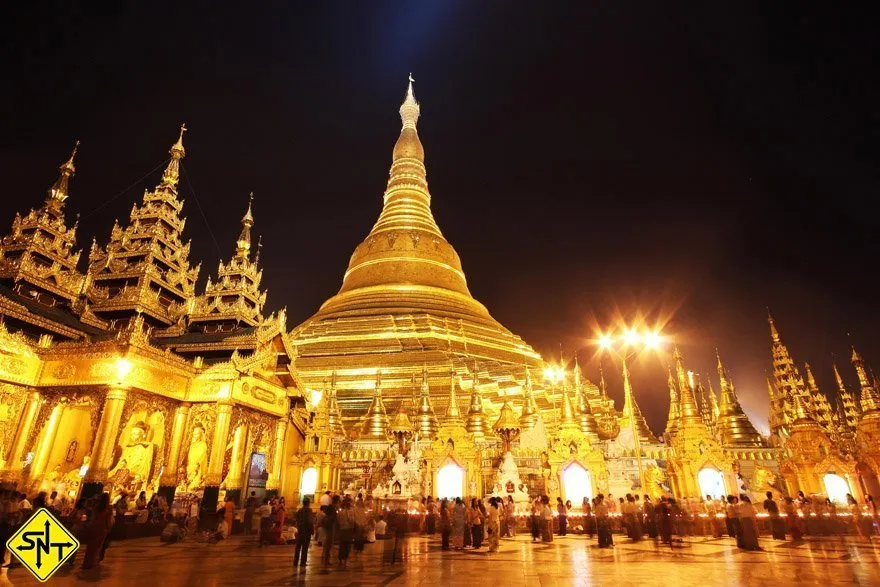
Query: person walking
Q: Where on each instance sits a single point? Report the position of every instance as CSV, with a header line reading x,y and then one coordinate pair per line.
x,y
250,506
494,528
304,521
603,526
98,529
445,524
562,513
748,523
345,523
776,526
476,518
510,517
329,525
459,524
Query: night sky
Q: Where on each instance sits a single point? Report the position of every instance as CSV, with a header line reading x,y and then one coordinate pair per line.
x,y
681,161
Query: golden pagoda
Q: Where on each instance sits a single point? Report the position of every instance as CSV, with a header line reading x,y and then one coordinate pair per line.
x,y
529,415
734,427
632,417
426,420
404,304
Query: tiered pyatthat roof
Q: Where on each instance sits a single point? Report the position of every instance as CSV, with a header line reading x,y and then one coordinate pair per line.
x,y
426,419
145,267
235,299
529,415
586,419
375,426
672,420
788,382
870,401
850,412
821,408
733,427
37,258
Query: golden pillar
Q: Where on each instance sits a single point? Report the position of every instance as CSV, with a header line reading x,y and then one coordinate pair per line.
x,y
105,437
15,458
41,454
236,463
274,480
169,473
218,445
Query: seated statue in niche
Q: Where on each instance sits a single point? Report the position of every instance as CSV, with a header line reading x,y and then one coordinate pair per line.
x,y
196,459
121,477
137,455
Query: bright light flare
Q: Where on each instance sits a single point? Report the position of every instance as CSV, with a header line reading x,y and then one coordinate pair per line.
x,y
606,341
123,368
653,340
631,337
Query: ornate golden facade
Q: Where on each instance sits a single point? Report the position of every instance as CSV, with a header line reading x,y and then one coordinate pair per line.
x,y
127,377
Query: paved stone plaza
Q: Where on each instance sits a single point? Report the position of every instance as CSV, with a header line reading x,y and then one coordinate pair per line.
x,y
568,560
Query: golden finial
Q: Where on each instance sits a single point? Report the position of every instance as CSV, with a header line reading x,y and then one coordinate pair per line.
x,y
243,244
453,412
773,332
177,148
59,190
409,109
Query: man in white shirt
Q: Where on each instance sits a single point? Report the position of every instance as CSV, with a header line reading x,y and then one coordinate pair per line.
x,y
381,527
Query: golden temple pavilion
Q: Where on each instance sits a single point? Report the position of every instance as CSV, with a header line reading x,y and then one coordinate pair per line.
x,y
123,374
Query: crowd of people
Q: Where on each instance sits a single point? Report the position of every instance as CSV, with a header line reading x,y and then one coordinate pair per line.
x,y
342,525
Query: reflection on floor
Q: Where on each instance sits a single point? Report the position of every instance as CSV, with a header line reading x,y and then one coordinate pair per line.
x,y
570,560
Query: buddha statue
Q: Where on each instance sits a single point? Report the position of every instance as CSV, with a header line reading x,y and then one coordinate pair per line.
x,y
121,477
196,459
137,455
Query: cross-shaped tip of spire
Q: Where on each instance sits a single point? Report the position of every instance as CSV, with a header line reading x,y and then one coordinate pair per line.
x,y
183,129
411,80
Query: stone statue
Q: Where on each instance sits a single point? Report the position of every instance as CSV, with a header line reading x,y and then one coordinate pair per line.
x,y
137,455
196,459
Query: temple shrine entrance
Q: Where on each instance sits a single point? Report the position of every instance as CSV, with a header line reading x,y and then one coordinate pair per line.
x,y
450,481
309,484
577,484
711,482
836,487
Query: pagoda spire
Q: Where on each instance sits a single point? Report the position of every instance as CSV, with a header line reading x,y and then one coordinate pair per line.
x,y
819,406
586,419
566,411
529,416
476,419
60,190
334,416
144,270
376,420
672,420
631,409
243,244
848,404
426,420
869,396
236,298
453,412
37,258
171,175
733,426
689,413
789,382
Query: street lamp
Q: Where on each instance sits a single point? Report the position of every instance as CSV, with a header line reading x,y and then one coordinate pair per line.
x,y
629,342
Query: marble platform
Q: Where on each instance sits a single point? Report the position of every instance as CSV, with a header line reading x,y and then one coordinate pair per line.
x,y
570,560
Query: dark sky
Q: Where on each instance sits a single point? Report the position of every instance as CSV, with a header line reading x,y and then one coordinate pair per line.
x,y
672,159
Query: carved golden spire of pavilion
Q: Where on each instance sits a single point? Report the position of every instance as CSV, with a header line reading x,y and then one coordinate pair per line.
x,y
776,421
171,176
869,396
820,407
789,382
426,420
37,257
586,419
453,412
59,191
402,423
689,412
236,298
567,418
672,420
734,427
529,416
376,420
848,403
476,419
144,269
713,403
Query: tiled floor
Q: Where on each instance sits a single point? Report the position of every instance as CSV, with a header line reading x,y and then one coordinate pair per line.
x,y
571,560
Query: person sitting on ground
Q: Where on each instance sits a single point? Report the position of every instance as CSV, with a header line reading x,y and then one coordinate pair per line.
x,y
172,532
